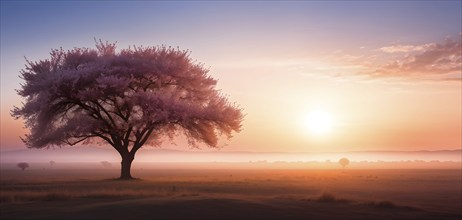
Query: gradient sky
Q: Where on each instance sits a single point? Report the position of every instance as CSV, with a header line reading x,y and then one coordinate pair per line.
x,y
388,73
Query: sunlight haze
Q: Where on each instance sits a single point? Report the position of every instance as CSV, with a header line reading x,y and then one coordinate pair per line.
x,y
225,110
310,76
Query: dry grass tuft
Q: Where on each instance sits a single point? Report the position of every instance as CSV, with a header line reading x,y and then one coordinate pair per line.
x,y
330,198
61,195
389,205
11,197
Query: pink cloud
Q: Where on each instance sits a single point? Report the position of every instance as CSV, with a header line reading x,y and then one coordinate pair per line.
x,y
440,61
405,48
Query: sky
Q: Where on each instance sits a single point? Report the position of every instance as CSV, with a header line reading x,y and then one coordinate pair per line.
x,y
310,76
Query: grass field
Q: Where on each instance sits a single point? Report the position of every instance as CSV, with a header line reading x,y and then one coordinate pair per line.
x,y
231,194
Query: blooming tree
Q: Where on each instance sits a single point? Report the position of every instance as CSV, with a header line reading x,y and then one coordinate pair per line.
x,y
127,99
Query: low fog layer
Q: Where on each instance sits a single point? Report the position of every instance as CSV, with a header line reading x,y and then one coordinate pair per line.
x,y
93,154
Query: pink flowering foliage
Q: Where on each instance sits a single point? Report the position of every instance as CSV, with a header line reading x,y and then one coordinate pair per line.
x,y
129,98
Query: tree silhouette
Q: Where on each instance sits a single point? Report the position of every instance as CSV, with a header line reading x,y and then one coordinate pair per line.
x,y
344,162
52,162
23,165
127,99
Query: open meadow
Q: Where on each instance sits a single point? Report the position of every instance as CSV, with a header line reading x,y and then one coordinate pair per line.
x,y
231,194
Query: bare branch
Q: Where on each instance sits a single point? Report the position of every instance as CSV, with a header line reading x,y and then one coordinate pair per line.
x,y
108,140
78,141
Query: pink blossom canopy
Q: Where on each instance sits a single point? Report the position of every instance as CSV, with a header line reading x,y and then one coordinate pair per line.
x,y
127,98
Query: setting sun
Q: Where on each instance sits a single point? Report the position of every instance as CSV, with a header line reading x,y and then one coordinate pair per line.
x,y
319,122
231,110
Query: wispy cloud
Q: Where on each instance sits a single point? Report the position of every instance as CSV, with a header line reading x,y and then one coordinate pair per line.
x,y
440,61
431,61
405,48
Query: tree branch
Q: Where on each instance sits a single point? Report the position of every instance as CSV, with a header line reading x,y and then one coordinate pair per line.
x,y
112,143
108,140
127,136
141,140
78,141
105,111
93,112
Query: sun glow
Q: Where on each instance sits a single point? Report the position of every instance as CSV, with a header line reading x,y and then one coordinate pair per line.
x,y
319,122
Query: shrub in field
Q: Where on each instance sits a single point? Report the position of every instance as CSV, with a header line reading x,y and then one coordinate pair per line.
x,y
344,162
106,164
23,165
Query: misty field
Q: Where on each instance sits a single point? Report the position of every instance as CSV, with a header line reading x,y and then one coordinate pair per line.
x,y
231,194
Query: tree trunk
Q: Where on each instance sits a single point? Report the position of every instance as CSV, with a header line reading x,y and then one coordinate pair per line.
x,y
126,165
